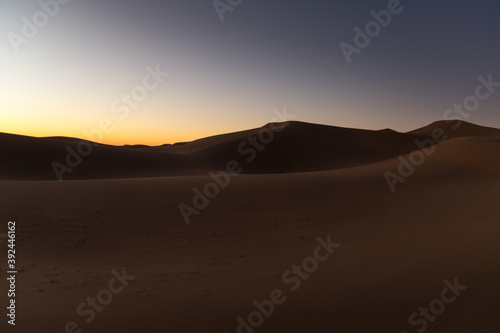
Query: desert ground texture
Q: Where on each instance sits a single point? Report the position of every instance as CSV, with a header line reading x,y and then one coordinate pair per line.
x,y
325,230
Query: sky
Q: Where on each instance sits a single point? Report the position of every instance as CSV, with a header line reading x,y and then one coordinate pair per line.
x,y
71,72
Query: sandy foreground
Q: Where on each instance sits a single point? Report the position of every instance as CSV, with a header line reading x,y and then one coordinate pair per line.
x,y
394,254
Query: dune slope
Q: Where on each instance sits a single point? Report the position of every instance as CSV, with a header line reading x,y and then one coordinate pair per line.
x,y
296,147
396,251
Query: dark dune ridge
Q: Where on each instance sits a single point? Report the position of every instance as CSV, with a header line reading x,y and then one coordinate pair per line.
x,y
293,147
458,129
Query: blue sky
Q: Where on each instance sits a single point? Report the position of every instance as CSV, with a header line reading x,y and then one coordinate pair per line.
x,y
229,75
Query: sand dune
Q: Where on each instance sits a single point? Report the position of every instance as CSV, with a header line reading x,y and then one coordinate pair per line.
x,y
458,128
473,152
397,250
32,158
298,147
302,147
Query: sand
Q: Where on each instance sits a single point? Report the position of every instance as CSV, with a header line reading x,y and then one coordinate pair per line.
x,y
395,249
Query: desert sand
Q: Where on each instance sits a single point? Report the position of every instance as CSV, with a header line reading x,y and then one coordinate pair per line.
x,y
120,209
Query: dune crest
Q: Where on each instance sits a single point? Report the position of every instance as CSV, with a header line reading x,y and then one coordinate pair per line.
x,y
292,146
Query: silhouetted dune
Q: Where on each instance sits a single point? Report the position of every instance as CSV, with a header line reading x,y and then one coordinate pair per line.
x,y
301,147
458,128
274,148
32,159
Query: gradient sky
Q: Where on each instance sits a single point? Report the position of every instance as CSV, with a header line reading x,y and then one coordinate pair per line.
x,y
228,76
